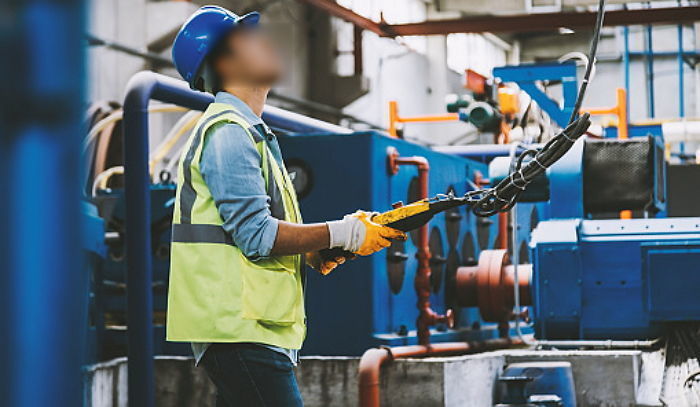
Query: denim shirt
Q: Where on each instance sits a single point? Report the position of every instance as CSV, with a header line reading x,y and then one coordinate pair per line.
x,y
230,166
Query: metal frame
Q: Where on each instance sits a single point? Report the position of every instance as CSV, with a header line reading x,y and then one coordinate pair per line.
x,y
526,77
543,22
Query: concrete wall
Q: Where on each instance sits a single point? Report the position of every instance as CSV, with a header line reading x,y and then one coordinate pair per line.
x,y
602,379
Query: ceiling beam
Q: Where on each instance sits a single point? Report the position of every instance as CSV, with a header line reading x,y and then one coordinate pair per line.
x,y
336,10
541,22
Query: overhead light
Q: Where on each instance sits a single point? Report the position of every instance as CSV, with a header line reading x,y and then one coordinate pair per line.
x,y
565,30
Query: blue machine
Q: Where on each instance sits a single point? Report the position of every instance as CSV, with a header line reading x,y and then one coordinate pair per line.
x,y
596,276
371,300
110,288
95,251
614,279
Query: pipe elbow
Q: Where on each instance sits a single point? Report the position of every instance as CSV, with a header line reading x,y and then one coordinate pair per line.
x,y
139,90
422,164
370,365
419,162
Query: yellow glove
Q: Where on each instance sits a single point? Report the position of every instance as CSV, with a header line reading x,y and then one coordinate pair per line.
x,y
358,234
315,261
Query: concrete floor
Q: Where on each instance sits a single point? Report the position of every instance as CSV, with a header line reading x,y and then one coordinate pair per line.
x,y
602,378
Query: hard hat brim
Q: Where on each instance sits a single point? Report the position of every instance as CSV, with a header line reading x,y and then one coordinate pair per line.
x,y
251,19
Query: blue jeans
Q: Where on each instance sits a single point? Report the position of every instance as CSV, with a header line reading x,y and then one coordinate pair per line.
x,y
251,375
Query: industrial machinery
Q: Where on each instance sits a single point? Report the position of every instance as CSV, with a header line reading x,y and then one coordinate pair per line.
x,y
386,314
594,275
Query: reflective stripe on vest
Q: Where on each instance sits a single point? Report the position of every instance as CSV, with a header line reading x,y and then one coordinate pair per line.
x,y
189,233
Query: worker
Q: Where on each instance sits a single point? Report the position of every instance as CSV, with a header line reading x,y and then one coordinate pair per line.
x,y
238,242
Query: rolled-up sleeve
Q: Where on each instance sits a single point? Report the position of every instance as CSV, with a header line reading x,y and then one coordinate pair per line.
x,y
230,165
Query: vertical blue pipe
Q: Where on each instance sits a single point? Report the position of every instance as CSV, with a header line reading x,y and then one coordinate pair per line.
x,y
681,82
649,49
626,63
42,281
681,79
139,279
140,89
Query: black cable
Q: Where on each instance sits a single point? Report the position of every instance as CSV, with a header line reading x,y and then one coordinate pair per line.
x,y
591,60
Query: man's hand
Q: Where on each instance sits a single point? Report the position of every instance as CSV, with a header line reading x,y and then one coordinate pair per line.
x,y
358,234
315,261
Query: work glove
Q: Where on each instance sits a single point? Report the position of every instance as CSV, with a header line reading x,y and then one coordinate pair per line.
x,y
358,234
324,266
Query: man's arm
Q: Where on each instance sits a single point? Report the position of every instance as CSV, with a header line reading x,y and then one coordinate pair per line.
x,y
295,238
230,165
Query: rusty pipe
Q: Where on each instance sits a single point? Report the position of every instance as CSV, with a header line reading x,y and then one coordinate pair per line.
x,y
373,359
426,315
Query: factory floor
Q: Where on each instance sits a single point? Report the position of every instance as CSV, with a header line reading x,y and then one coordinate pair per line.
x,y
610,378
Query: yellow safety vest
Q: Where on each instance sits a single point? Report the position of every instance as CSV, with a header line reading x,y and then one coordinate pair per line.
x,y
217,294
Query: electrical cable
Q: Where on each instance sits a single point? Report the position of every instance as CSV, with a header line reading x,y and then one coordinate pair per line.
x,y
591,59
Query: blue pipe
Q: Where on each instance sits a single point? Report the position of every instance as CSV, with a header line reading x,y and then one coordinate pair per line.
x,y
626,63
691,54
43,282
143,87
649,48
481,152
681,79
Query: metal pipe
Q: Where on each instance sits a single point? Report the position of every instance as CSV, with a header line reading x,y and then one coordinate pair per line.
x,y
336,10
305,104
599,344
502,239
373,359
476,151
143,87
149,56
543,22
394,118
619,110
681,83
298,123
357,52
649,49
626,60
681,79
426,317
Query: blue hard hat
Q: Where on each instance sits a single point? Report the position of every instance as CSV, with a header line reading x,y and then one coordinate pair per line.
x,y
200,34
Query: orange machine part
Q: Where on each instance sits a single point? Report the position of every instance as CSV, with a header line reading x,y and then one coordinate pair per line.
x,y
489,285
508,100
